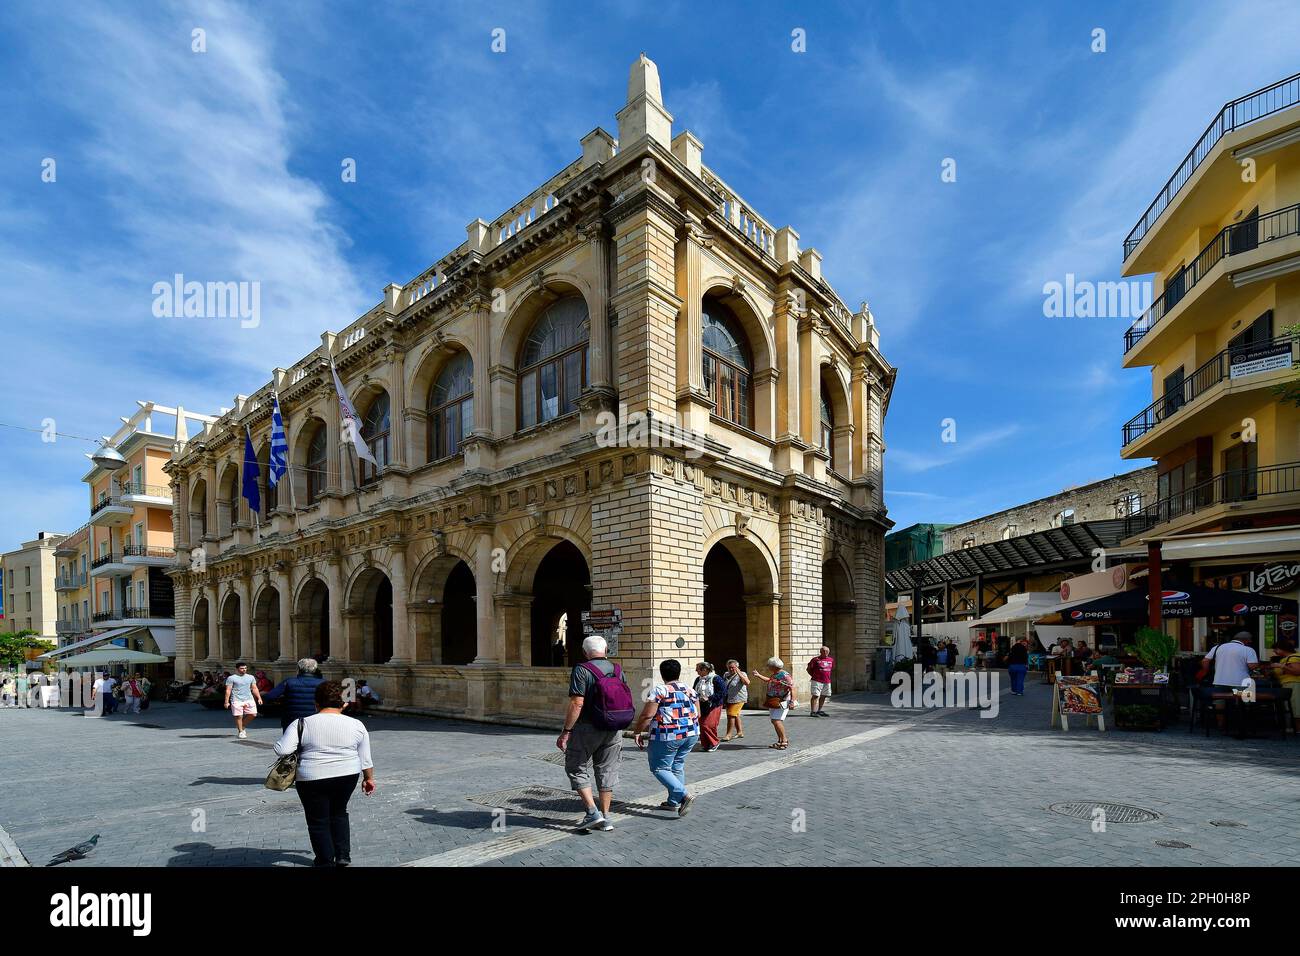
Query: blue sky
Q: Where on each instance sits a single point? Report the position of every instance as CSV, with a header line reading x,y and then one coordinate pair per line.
x,y
225,165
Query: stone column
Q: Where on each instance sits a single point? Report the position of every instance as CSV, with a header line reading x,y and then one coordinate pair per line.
x,y
210,500
181,515
484,592
338,637
423,617
693,404
483,411
243,590
403,639
801,587
284,585
398,440
214,622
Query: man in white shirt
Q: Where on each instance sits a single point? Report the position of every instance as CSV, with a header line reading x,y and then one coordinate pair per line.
x,y
102,690
1231,660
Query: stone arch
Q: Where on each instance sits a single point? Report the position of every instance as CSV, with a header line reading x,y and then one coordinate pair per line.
x,y
426,369
740,615
266,623
299,447
837,393
427,613
368,615
560,591
228,629
839,614
199,629
519,323
228,499
752,316
311,619
198,512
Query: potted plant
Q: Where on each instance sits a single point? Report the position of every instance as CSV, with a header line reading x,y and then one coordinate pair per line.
x,y
1156,650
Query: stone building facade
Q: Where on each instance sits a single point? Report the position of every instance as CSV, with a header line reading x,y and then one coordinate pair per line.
x,y
735,511
1116,497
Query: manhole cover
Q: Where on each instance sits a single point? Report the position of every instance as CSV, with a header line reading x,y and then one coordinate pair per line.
x,y
1226,823
1114,812
272,809
544,803
1174,844
555,756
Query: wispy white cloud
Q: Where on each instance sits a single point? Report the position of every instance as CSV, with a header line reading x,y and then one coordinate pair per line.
x,y
948,453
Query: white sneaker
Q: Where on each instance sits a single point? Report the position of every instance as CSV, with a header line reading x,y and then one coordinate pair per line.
x,y
243,735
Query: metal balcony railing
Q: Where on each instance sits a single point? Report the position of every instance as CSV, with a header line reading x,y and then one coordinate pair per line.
x,y
135,612
149,491
104,559
69,582
1225,488
1240,112
1198,383
1229,241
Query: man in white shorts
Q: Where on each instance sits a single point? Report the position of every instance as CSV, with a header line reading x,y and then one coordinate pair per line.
x,y
242,697
819,669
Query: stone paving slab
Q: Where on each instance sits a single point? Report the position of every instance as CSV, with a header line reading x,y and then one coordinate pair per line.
x,y
948,789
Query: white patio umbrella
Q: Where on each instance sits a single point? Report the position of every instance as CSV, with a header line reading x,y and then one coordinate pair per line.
x,y
111,655
903,640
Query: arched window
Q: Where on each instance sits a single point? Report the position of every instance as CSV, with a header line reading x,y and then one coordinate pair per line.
x,y
828,425
728,367
1008,532
270,493
315,464
375,425
553,363
1063,518
451,407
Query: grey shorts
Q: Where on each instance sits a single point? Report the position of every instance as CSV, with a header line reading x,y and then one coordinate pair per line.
x,y
603,749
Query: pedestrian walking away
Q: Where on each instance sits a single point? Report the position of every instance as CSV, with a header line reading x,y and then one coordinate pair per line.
x,y
242,697
299,693
711,690
102,692
672,714
819,669
1018,666
779,698
737,696
332,750
600,708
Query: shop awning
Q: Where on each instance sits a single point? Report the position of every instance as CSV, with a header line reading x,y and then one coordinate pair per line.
x,y
1027,606
165,638
86,642
1195,601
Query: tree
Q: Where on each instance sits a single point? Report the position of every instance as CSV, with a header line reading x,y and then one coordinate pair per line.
x,y
14,645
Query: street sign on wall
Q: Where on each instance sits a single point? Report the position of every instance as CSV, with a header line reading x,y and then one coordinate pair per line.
x,y
607,624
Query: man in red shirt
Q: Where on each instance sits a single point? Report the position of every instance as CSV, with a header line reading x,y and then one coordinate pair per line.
x,y
819,669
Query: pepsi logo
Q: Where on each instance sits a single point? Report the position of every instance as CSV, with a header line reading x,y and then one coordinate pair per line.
x,y
1239,608
1174,595
1076,615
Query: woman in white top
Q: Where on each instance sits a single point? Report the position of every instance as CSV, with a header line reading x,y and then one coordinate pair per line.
x,y
332,751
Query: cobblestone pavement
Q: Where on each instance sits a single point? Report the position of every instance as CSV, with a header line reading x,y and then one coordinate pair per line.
x,y
870,785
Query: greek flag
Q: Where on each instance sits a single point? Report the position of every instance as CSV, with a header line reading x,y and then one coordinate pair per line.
x,y
277,462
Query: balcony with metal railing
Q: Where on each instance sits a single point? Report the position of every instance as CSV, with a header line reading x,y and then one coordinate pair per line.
x,y
1233,240
135,614
1266,487
1238,113
70,582
110,565
1232,365
142,554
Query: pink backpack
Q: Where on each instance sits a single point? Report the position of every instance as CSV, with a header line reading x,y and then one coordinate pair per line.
x,y
611,701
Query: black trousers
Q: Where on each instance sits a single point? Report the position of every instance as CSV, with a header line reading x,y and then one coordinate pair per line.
x,y
325,802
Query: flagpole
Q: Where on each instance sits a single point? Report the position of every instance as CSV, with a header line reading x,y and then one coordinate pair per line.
x,y
288,464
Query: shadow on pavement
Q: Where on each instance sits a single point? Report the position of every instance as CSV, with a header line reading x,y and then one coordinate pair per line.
x,y
205,854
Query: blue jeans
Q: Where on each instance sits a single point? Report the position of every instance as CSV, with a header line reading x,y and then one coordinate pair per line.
x,y
1017,672
668,764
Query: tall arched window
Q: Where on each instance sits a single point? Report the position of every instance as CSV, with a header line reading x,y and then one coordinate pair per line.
x,y
728,368
553,363
270,493
828,425
317,452
451,407
375,426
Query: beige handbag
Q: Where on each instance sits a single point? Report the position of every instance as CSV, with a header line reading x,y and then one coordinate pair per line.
x,y
284,771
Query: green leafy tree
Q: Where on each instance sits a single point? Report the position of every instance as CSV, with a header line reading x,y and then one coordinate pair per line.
x,y
15,644
1289,391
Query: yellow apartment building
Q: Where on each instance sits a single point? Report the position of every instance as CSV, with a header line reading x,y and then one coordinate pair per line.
x,y
1222,239
27,578
111,574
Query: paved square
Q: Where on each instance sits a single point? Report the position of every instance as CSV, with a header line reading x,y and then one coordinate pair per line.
x,y
871,785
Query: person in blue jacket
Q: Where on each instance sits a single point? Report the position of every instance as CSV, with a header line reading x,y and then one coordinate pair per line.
x,y
299,692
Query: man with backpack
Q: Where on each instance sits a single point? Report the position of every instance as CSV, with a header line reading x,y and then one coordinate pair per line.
x,y
600,708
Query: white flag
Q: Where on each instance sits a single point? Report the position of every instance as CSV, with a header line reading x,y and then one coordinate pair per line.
x,y
351,426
